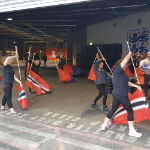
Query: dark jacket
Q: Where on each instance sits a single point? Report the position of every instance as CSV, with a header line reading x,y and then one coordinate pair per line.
x,y
101,75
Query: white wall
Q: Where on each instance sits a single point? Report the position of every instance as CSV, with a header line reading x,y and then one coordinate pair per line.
x,y
105,33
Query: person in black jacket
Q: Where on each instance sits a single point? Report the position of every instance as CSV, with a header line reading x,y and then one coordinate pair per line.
x,y
101,77
8,77
35,65
120,95
44,60
62,61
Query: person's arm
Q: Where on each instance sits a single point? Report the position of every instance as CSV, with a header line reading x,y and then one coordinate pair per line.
x,y
109,75
17,80
125,60
9,58
95,65
134,85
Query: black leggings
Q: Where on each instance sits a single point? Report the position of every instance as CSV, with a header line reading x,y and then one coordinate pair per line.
x,y
7,97
146,80
102,92
124,101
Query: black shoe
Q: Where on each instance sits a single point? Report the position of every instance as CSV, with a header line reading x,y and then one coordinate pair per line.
x,y
94,105
105,108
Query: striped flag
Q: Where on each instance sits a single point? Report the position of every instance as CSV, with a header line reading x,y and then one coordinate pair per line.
x,y
37,84
22,99
140,107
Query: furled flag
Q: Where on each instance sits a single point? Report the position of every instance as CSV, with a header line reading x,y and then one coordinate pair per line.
x,y
22,99
140,74
64,76
92,75
68,68
37,84
128,72
140,108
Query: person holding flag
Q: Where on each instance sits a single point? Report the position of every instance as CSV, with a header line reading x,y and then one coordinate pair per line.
x,y
62,61
92,75
7,82
120,95
101,77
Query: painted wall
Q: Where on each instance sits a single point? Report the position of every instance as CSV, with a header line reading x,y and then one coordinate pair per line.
x,y
107,33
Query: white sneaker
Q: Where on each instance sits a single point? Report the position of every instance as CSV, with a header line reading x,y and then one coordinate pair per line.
x,y
13,111
134,133
106,126
2,107
103,127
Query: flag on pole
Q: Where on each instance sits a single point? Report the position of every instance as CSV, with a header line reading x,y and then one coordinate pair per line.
x,y
92,75
64,76
140,74
140,107
68,68
37,84
22,99
128,72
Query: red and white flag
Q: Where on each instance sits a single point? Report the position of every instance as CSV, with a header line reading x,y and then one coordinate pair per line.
x,y
140,107
22,99
37,84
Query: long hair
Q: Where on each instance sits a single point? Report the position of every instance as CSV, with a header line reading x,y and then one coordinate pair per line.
x,y
116,64
3,59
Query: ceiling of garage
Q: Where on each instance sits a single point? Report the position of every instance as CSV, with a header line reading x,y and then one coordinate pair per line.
x,y
56,22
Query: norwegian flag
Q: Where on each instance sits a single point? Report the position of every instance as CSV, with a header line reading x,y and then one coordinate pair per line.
x,y
37,84
22,99
140,107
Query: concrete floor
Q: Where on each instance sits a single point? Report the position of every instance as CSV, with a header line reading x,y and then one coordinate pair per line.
x,y
64,120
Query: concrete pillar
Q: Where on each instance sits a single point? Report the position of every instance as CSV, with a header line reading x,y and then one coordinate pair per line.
x,y
79,42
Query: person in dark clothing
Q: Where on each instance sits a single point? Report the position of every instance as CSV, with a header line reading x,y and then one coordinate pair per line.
x,y
44,60
35,65
8,77
36,56
62,62
101,77
120,95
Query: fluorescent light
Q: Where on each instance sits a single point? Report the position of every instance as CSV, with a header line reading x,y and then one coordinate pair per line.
x,y
12,5
91,43
9,19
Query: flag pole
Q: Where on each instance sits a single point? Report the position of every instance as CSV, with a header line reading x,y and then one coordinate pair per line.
x,y
29,53
18,62
32,61
133,64
104,60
